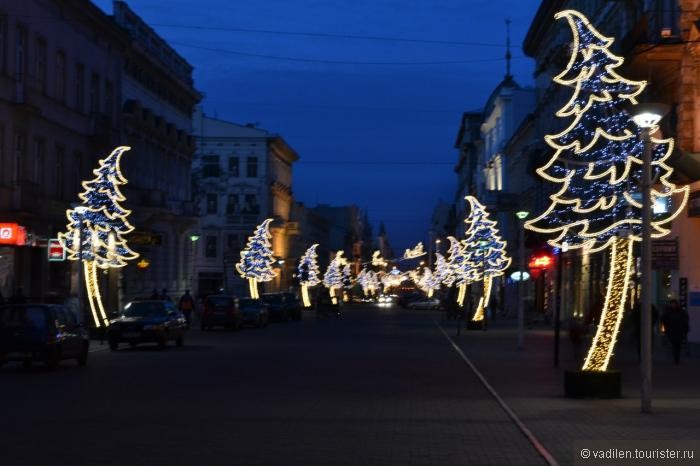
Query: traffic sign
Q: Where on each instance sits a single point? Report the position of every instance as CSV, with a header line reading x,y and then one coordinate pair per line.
x,y
57,253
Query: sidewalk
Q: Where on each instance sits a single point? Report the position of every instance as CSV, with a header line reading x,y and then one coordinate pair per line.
x,y
529,384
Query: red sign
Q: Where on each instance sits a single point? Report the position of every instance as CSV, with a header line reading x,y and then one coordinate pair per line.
x,y
540,262
12,233
56,250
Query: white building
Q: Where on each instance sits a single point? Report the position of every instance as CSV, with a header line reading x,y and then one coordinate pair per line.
x,y
242,175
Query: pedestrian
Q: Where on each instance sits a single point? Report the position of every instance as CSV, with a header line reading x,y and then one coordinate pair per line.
x,y
164,295
675,321
18,297
186,306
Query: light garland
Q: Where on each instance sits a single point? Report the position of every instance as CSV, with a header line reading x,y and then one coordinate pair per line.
x,y
95,231
486,256
415,252
308,273
347,280
333,278
257,259
378,260
597,160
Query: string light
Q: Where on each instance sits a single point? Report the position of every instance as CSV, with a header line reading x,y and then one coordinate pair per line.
x,y
257,258
95,230
308,273
597,160
486,252
415,252
378,260
333,278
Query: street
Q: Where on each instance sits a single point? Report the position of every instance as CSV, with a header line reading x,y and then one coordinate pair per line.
x,y
380,386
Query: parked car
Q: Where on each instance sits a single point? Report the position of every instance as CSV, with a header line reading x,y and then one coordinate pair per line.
x,y
41,332
254,312
147,321
424,303
282,306
221,310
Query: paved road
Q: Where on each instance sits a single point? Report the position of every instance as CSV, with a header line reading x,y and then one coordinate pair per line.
x,y
377,387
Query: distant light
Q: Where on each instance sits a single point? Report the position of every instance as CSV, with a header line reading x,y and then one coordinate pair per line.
x,y
522,215
194,237
660,205
519,276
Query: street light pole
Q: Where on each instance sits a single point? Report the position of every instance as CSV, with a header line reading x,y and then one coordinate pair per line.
x,y
522,215
645,321
647,117
193,240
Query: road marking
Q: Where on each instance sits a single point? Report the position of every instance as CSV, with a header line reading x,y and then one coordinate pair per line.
x,y
514,417
100,348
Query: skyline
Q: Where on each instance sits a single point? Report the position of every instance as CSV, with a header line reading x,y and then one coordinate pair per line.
x,y
328,111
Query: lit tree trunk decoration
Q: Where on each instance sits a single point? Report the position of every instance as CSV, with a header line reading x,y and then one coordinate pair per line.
x,y
257,259
308,273
597,162
96,229
486,251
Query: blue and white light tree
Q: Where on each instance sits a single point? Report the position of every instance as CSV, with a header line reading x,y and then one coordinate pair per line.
x,y
597,161
347,281
257,259
308,273
462,271
333,278
486,251
96,229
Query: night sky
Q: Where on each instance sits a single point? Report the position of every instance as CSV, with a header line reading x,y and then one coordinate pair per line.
x,y
377,135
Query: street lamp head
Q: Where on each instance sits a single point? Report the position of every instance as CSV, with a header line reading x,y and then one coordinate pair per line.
x,y
194,237
522,214
437,241
648,115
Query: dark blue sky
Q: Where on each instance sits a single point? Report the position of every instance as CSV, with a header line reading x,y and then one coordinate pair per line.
x,y
331,113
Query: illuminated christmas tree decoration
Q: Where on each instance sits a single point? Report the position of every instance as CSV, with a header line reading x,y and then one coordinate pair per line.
x,y
417,251
347,281
308,273
333,278
428,282
486,251
597,160
394,278
443,272
257,259
95,231
378,260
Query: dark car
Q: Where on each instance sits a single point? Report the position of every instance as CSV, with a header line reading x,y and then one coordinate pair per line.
x,y
41,332
282,306
221,310
153,321
254,312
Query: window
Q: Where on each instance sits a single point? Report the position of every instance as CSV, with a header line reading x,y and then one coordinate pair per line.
x,y
251,204
232,204
212,203
39,157
94,93
109,98
80,87
233,166
210,246
60,76
494,174
3,41
252,167
210,166
19,155
60,173
21,53
40,64
232,243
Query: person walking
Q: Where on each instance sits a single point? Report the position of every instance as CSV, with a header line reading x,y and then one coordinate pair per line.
x,y
675,322
186,306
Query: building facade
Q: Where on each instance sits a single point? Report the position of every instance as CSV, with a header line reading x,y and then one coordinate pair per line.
x,y
60,87
242,175
157,102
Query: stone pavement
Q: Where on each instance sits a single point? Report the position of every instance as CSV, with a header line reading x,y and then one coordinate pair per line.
x,y
528,383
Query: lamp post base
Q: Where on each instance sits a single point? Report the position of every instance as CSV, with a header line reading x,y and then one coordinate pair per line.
x,y
593,384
